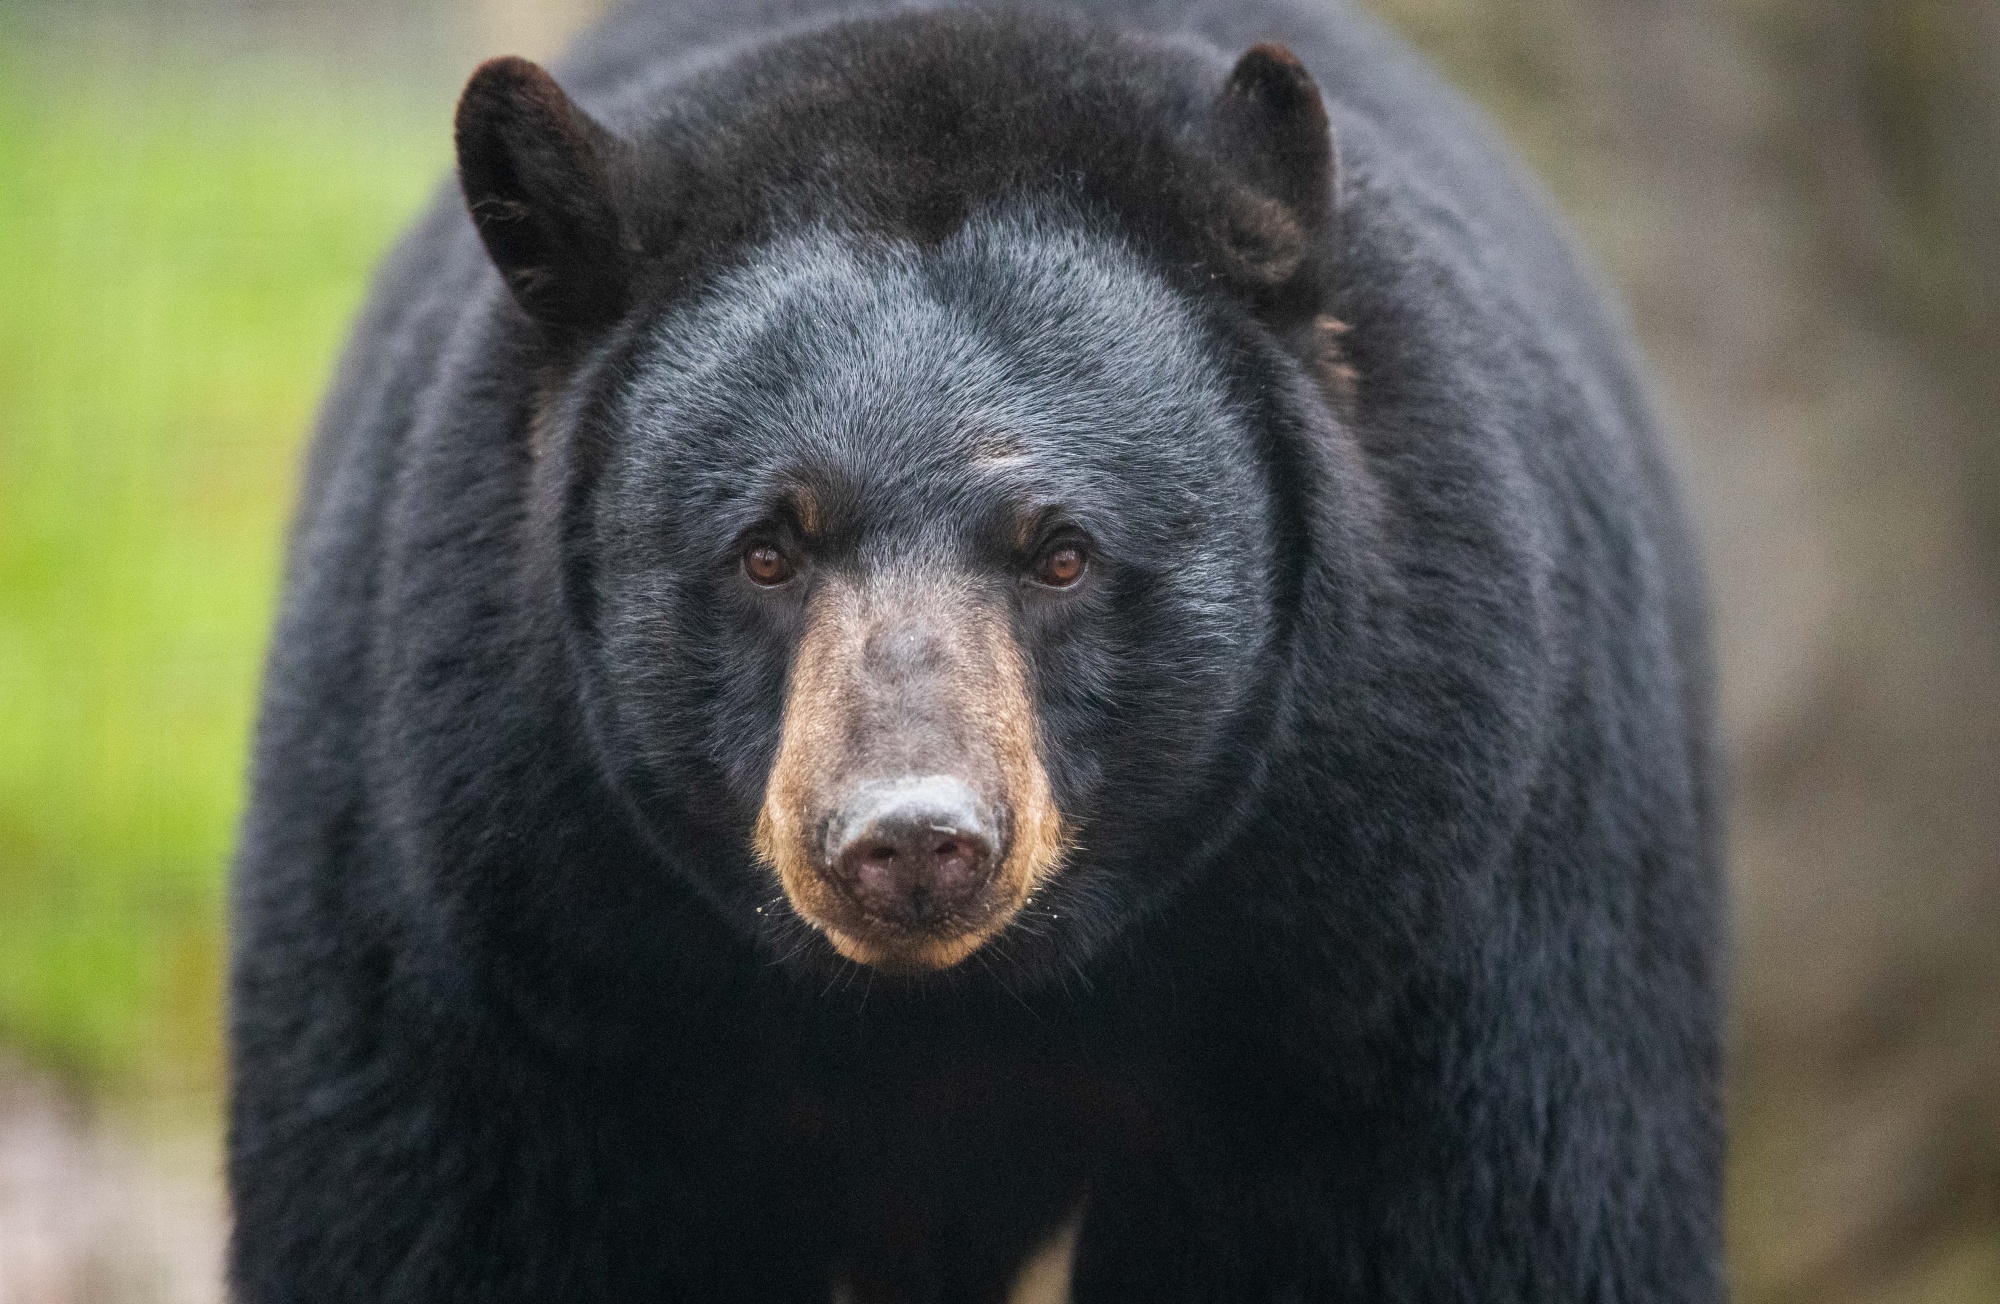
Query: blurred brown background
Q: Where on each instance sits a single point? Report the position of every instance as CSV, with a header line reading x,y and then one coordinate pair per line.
x,y
1800,200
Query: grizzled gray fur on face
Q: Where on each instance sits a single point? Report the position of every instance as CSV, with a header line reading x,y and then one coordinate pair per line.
x,y
913,420
931,652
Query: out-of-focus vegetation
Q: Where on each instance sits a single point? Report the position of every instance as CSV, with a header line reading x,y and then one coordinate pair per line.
x,y
181,245
1800,199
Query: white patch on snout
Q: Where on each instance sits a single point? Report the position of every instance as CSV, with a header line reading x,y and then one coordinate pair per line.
x,y
933,798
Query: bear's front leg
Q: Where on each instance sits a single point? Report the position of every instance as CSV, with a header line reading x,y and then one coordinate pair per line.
x,y
1426,1197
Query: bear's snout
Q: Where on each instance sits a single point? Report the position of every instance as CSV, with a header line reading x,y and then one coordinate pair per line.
x,y
915,852
908,813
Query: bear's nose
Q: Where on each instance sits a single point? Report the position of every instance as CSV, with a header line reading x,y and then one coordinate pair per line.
x,y
913,852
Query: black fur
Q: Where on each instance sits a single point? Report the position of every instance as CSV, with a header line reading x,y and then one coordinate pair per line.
x,y
1387,964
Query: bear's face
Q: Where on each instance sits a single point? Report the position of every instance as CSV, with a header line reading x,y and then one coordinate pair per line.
x,y
933,584
913,435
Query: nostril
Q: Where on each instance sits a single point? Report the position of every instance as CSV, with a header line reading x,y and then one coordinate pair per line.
x,y
958,865
870,867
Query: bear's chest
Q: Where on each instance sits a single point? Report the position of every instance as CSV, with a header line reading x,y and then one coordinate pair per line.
x,y
963,1181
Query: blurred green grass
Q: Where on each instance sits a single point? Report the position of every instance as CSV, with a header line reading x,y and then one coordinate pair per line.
x,y
182,242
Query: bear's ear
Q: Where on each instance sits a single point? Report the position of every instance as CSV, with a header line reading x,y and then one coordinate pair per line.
x,y
540,177
1275,127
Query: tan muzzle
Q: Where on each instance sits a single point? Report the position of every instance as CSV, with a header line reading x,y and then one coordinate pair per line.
x,y
908,814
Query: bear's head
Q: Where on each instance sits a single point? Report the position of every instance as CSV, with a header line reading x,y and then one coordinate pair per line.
x,y
920,444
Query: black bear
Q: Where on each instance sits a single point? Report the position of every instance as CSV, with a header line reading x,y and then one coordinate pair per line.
x,y
977,654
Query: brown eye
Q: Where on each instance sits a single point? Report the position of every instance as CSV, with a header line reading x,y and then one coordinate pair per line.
x,y
1061,566
766,565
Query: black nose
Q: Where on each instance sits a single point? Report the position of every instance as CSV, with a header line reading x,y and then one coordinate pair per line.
x,y
913,852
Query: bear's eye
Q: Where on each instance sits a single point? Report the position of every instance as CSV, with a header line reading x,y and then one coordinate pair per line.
x,y
766,565
1061,565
